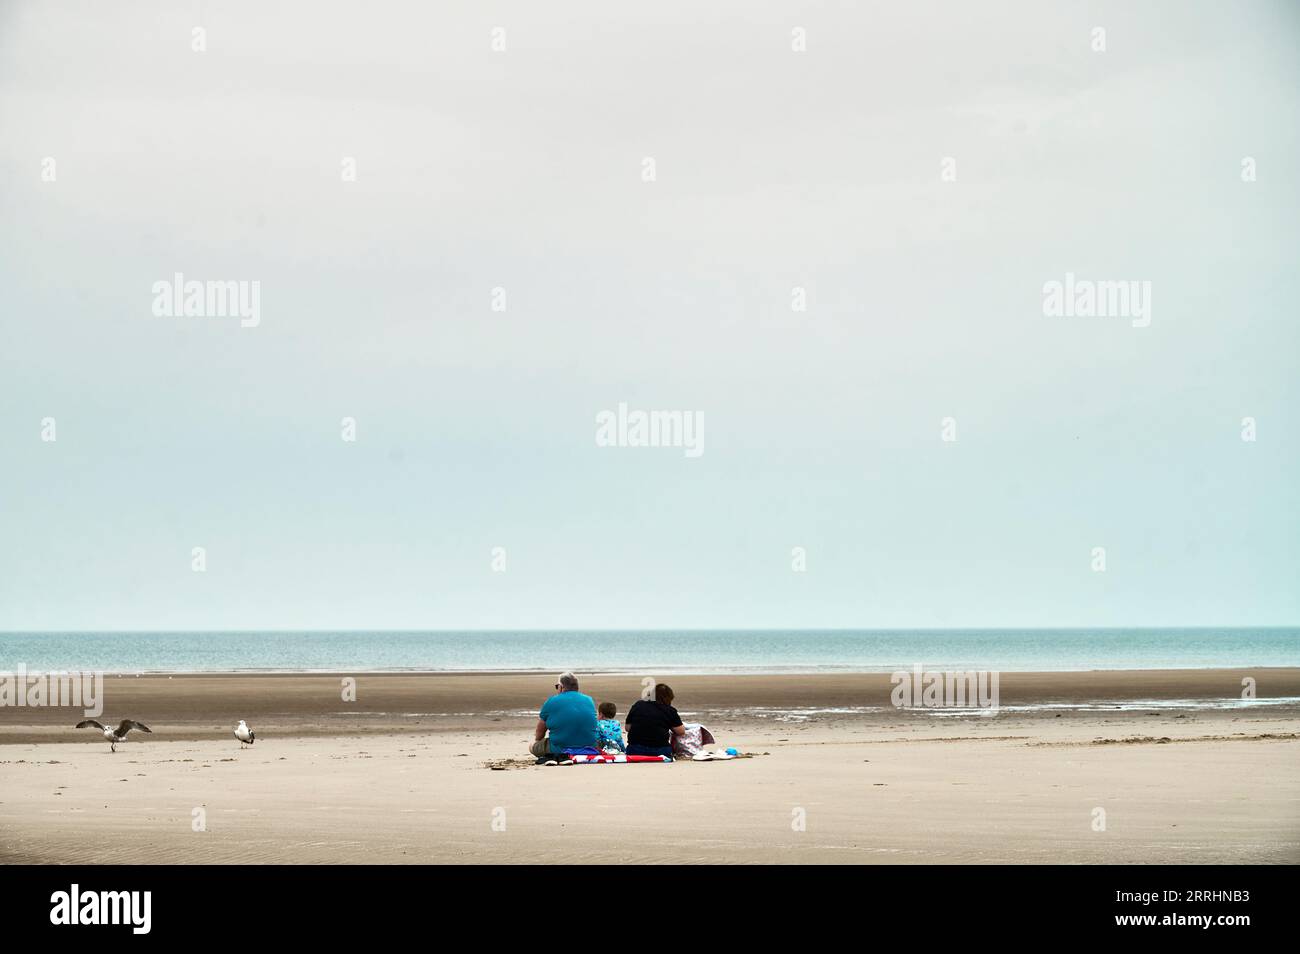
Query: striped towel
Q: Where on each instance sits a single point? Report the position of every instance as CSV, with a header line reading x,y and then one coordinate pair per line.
x,y
605,757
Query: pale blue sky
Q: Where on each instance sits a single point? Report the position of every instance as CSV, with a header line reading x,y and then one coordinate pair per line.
x,y
522,169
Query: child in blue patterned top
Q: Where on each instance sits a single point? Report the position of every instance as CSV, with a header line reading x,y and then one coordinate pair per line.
x,y
609,734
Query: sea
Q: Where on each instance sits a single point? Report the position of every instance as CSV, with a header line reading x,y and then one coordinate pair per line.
x,y
657,651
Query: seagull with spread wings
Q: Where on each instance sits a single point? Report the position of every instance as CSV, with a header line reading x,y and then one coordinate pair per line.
x,y
117,735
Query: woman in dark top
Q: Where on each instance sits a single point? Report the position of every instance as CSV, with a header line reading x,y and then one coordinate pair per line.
x,y
651,725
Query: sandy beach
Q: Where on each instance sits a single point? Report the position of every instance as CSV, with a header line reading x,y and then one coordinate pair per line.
x,y
433,768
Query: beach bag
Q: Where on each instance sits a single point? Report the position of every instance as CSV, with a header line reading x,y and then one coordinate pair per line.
x,y
693,740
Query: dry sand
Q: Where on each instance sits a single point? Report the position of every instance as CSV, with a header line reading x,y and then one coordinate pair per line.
x,y
402,774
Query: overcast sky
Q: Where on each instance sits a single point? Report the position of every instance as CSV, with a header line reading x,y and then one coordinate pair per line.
x,y
523,169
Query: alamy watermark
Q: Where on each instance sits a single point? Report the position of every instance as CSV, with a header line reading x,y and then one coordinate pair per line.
x,y
84,690
920,689
178,298
633,428
1084,298
129,908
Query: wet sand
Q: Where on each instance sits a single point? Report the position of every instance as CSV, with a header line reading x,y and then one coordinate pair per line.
x,y
195,706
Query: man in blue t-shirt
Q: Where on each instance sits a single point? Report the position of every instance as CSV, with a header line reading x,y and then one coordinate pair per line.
x,y
569,716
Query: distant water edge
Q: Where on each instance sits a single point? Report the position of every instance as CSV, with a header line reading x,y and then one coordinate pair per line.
x,y
663,651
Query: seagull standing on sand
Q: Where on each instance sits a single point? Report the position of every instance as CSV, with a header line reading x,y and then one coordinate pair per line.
x,y
244,734
117,735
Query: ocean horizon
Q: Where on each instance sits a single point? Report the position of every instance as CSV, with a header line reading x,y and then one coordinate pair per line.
x,y
660,651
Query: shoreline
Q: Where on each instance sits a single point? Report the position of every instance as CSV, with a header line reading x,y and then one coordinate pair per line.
x,y
638,671
194,705
694,652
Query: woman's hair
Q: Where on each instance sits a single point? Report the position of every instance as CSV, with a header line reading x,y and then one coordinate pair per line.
x,y
664,694
608,710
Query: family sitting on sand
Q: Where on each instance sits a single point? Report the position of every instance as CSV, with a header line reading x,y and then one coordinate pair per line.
x,y
575,724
